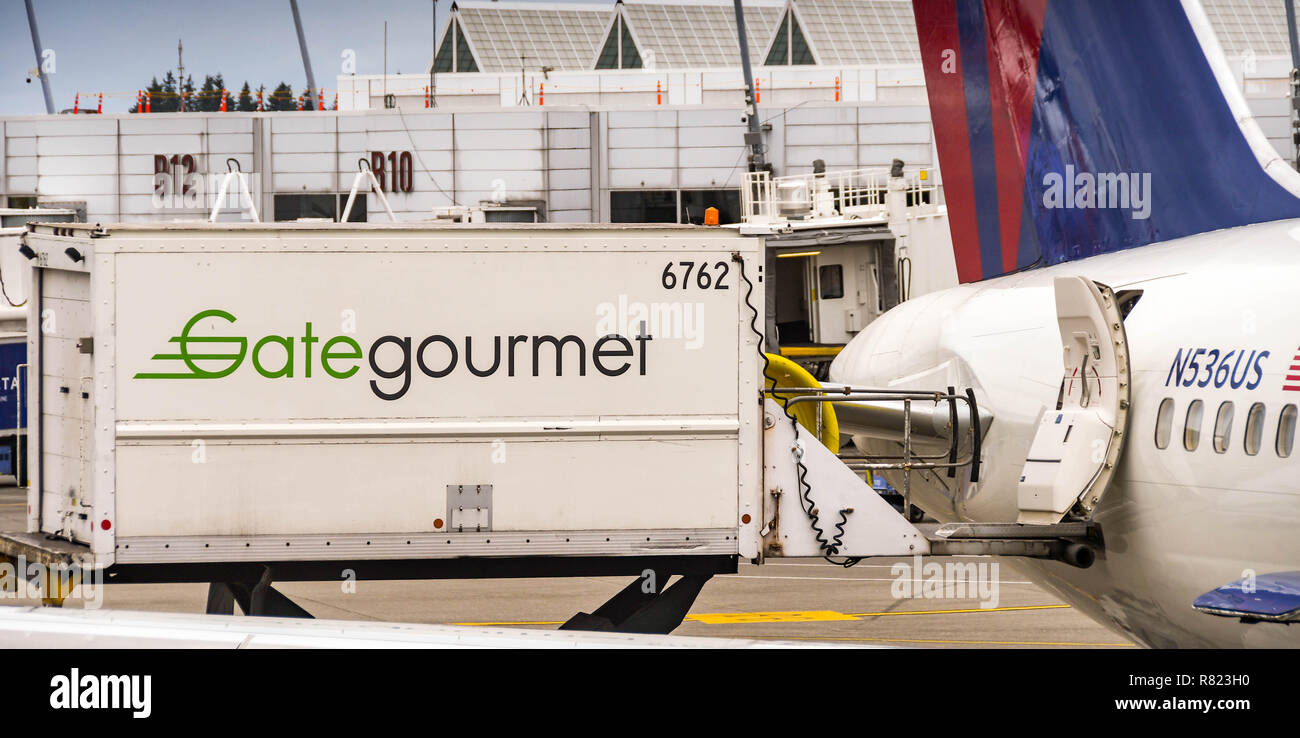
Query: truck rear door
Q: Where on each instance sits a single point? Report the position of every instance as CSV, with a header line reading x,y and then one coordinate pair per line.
x,y
65,384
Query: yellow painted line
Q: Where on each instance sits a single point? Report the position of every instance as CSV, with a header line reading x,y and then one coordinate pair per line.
x,y
796,616
792,616
13,504
942,640
954,612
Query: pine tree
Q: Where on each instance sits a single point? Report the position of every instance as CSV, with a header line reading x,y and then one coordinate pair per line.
x,y
209,96
166,101
203,102
164,97
246,103
188,92
282,98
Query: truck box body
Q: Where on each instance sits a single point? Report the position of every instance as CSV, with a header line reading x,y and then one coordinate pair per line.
x,y
316,392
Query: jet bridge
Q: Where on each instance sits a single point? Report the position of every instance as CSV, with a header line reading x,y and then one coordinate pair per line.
x,y
844,246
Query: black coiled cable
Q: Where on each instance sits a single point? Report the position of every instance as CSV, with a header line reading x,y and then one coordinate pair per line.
x,y
831,546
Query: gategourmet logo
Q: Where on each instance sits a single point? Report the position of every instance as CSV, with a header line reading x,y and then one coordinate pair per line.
x,y
437,356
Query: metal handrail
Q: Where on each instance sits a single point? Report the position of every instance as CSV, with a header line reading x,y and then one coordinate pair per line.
x,y
236,174
365,175
851,193
909,460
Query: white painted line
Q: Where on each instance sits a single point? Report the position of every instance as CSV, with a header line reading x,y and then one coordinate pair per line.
x,y
825,565
833,579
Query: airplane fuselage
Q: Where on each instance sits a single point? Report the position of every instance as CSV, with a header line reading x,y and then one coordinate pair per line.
x,y
1216,322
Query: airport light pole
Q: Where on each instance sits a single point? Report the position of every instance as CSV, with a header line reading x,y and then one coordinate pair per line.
x,y
757,163
36,44
754,134
180,76
433,61
306,59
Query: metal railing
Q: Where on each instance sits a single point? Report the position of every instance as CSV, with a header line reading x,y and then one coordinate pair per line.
x,y
1074,542
851,193
910,460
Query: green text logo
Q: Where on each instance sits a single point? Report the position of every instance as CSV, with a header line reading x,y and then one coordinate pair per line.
x,y
394,360
183,354
234,358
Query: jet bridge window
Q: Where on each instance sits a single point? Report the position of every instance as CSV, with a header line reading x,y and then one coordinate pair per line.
x,y
1254,429
1286,431
1164,422
1192,426
1223,428
830,279
643,206
294,206
695,202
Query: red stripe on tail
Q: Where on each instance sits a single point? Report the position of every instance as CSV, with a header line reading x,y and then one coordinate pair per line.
x,y
1015,32
936,28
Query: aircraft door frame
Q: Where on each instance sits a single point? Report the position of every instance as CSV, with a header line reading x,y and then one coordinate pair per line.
x,y
1077,447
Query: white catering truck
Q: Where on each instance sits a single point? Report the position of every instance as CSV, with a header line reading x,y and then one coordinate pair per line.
x,y
240,404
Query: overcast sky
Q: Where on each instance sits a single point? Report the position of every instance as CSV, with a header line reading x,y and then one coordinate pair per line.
x,y
117,46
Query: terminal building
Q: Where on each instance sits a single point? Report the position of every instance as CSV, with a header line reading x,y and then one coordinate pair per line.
x,y
578,112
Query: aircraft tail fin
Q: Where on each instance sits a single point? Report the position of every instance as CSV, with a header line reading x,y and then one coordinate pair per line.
x,y
1067,129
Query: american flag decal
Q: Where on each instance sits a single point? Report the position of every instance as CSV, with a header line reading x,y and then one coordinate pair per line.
x,y
1292,381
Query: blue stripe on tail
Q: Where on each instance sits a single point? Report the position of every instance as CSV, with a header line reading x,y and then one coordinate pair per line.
x,y
1132,141
1124,88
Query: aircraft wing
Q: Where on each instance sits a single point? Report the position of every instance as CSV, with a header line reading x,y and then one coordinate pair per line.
x,y
49,627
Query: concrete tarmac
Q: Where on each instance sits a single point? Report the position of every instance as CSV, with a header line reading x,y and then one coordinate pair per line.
x,y
874,602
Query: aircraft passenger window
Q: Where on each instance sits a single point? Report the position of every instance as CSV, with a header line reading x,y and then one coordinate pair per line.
x,y
1164,422
1255,428
1192,428
1222,428
1286,431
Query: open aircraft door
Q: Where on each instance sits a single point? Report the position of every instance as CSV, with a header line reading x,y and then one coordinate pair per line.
x,y
1077,446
